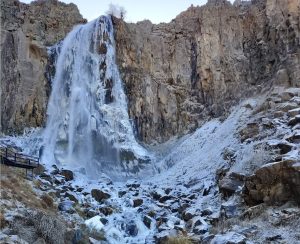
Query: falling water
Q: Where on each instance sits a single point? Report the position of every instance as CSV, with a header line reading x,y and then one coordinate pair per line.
x,y
88,124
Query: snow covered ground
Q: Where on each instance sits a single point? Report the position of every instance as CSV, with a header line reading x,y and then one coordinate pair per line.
x,y
182,195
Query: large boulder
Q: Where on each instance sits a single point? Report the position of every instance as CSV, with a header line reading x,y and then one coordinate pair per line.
x,y
274,183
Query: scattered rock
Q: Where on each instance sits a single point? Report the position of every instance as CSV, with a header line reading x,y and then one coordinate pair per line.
x,y
133,184
106,210
295,120
99,195
283,146
137,202
279,114
131,229
229,238
187,215
90,213
121,193
231,183
274,238
250,131
285,107
66,206
71,197
147,221
200,229
104,221
294,112
68,174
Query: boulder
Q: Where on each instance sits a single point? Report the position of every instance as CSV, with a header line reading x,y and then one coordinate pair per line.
x,y
294,112
147,221
250,131
68,174
137,202
274,183
71,197
295,120
66,206
229,238
106,210
99,195
231,183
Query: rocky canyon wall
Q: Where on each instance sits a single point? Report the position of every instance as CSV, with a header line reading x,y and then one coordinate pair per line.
x,y
26,31
179,74
176,75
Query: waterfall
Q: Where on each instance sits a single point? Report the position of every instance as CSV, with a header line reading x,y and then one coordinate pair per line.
x,y
88,124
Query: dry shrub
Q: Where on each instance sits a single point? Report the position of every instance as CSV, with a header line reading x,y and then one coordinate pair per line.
x,y
47,200
178,240
49,227
3,221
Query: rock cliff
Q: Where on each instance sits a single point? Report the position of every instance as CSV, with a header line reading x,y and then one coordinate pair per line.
x,y
178,75
26,31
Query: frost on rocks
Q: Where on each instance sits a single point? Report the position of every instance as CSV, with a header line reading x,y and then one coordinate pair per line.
x,y
94,223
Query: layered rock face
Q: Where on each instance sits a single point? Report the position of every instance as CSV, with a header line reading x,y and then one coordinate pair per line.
x,y
26,31
196,67
176,75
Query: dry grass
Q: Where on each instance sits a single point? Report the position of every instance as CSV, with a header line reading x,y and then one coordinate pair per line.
x,y
15,187
178,240
3,221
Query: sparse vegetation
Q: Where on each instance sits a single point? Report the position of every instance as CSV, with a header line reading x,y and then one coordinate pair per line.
x,y
178,240
50,227
3,221
15,187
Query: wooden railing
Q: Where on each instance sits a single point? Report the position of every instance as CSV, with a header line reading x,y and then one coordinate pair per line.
x,y
12,158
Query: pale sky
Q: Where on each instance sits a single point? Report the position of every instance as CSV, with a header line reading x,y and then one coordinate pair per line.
x,y
155,10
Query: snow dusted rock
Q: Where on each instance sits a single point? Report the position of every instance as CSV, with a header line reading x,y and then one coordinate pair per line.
x,y
285,107
94,223
71,196
274,183
295,120
294,112
147,221
279,114
99,195
250,131
231,183
229,238
282,145
66,206
137,202
290,92
133,184
294,138
68,174
106,210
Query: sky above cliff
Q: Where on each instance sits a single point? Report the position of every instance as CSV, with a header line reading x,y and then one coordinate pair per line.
x,y
155,10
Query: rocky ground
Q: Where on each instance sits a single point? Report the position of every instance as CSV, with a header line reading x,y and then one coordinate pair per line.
x,y
232,181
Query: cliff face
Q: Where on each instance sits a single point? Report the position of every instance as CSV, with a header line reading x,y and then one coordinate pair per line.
x,y
196,67
176,75
26,31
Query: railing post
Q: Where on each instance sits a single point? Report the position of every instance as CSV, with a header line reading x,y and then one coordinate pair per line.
x,y
6,152
15,157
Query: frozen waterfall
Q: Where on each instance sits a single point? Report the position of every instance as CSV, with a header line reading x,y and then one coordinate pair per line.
x,y
88,124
